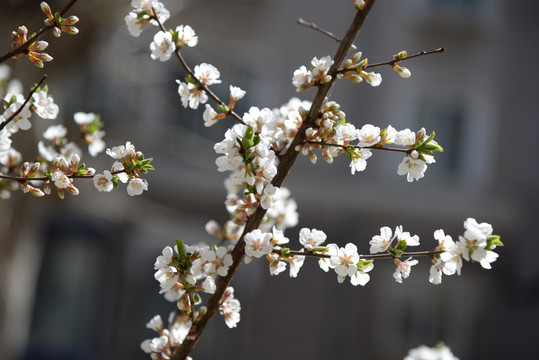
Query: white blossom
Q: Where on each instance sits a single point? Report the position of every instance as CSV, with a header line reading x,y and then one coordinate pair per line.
x,y
162,46
209,116
403,269
345,261
380,243
45,107
209,285
236,93
60,180
311,239
258,244
301,77
207,74
103,182
369,135
137,186
186,36
414,169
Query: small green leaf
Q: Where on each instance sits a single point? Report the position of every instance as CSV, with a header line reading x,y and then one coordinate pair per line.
x,y
402,55
401,245
493,240
181,249
321,249
285,252
364,263
175,36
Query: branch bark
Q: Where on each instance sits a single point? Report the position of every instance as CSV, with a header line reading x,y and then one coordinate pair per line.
x,y
285,164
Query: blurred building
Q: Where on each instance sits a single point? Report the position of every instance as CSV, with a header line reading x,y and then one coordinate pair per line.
x,y
76,278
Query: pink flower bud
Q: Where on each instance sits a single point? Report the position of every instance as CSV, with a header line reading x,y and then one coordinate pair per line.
x,y
71,30
46,10
35,191
72,20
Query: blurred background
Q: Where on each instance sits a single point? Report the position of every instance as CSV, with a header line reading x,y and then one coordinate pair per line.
x,y
76,276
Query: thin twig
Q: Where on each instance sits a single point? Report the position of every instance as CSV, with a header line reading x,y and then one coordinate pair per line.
x,y
32,91
374,147
201,85
23,179
319,29
362,257
421,53
21,49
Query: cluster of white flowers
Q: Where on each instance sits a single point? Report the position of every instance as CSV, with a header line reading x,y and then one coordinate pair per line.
x,y
423,352
250,151
90,128
476,244
247,152
165,43
318,75
192,92
130,166
230,308
143,13
335,137
179,270
169,339
178,274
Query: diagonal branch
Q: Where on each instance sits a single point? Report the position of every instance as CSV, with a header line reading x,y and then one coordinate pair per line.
x,y
200,84
21,49
284,167
9,119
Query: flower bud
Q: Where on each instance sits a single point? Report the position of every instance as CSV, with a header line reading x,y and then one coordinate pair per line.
x,y
40,45
36,191
72,20
72,189
71,30
46,10
356,57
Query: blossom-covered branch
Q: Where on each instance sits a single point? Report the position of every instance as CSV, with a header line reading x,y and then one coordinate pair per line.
x,y
16,112
30,46
259,152
196,87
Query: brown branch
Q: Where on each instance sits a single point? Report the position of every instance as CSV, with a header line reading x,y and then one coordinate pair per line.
x,y
362,257
21,49
285,164
394,61
319,29
32,91
374,147
23,179
201,85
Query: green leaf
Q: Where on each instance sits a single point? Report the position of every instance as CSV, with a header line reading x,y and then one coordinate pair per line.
x,y
58,18
321,249
401,245
364,263
175,36
493,240
181,249
285,252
